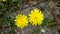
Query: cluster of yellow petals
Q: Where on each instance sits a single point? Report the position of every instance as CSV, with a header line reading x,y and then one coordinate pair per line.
x,y
21,21
36,17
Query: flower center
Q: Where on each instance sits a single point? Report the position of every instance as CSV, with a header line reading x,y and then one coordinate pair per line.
x,y
35,17
21,20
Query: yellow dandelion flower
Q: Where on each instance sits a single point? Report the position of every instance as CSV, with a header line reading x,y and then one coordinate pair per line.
x,y
36,17
21,21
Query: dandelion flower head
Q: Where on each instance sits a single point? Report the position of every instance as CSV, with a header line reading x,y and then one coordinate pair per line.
x,y
21,20
36,17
